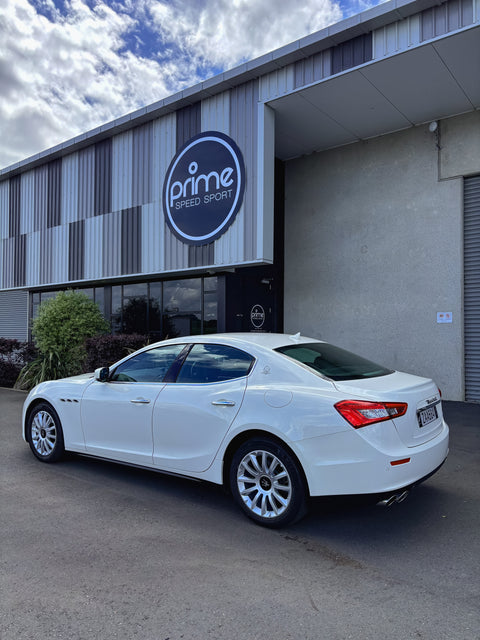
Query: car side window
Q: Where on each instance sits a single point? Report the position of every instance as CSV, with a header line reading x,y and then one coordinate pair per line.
x,y
214,363
148,366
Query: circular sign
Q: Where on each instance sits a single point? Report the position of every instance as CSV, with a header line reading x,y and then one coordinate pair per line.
x,y
203,188
257,316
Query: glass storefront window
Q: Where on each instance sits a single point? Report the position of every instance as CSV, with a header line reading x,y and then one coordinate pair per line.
x,y
155,310
161,310
210,284
116,319
182,307
100,298
210,313
135,308
182,295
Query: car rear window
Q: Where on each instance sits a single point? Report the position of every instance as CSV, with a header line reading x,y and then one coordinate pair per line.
x,y
333,362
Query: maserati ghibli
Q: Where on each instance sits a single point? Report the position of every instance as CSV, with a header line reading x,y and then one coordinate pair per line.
x,y
275,418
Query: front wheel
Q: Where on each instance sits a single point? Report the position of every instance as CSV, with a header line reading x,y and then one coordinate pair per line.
x,y
267,483
44,433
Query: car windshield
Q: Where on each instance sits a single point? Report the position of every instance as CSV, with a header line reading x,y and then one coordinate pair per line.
x,y
333,362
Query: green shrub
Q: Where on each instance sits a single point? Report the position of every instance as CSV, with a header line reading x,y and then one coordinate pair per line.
x,y
59,331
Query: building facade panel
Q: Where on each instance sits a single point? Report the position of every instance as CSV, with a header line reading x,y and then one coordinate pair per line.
x,y
122,171
86,183
103,177
152,238
33,259
27,202
93,246
14,208
112,244
69,194
41,198
244,129
4,208
142,165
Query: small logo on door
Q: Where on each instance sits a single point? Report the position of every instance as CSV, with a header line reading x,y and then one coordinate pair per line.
x,y
257,316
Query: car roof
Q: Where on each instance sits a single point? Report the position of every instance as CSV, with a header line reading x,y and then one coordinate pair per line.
x,y
266,340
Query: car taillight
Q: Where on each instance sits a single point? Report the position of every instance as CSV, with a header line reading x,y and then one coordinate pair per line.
x,y
360,413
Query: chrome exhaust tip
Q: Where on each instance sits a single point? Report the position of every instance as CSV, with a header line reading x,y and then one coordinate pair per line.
x,y
396,498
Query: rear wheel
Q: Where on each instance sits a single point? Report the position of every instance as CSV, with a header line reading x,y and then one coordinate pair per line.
x,y
44,433
267,484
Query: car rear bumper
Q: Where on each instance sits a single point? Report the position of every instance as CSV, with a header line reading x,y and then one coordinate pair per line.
x,y
332,471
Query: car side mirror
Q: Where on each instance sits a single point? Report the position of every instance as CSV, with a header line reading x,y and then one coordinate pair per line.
x,y
102,374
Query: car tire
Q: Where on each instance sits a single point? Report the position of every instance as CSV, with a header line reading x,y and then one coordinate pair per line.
x,y
267,484
44,433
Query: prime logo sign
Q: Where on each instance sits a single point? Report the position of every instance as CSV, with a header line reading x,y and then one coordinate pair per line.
x,y
204,187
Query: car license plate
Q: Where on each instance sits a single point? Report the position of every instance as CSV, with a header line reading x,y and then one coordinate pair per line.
x,y
427,415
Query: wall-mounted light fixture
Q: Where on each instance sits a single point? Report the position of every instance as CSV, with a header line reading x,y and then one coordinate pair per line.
x,y
433,126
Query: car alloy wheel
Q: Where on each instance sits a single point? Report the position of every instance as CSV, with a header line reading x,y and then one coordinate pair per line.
x,y
267,484
45,433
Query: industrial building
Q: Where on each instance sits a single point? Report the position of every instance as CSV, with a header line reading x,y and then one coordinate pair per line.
x,y
330,187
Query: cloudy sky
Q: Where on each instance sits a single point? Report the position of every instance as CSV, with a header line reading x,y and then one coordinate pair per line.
x,y
67,66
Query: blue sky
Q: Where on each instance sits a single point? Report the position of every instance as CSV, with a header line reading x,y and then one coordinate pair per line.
x,y
67,66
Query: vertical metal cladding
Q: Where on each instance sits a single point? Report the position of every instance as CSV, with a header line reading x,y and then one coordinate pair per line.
x,y
8,250
86,182
14,207
33,258
142,166
446,17
122,171
395,37
27,202
93,248
131,248
20,261
244,130
46,255
112,242
40,195
187,125
76,250
313,69
4,209
352,53
228,249
69,195
103,177
54,189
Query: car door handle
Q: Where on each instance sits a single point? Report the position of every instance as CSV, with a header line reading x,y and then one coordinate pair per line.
x,y
140,401
223,403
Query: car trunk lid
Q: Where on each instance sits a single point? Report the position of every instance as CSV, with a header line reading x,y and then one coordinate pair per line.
x,y
423,419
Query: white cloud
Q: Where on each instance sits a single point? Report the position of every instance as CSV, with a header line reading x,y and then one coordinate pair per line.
x,y
76,69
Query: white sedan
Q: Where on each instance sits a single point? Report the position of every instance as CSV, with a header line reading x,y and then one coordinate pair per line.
x,y
275,418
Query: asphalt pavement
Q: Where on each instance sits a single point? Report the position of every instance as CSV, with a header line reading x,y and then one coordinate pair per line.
x,y
94,550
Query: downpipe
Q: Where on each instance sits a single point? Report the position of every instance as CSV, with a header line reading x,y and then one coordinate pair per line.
x,y
396,498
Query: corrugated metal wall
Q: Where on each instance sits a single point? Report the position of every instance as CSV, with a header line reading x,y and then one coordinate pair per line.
x,y
97,213
472,287
14,315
